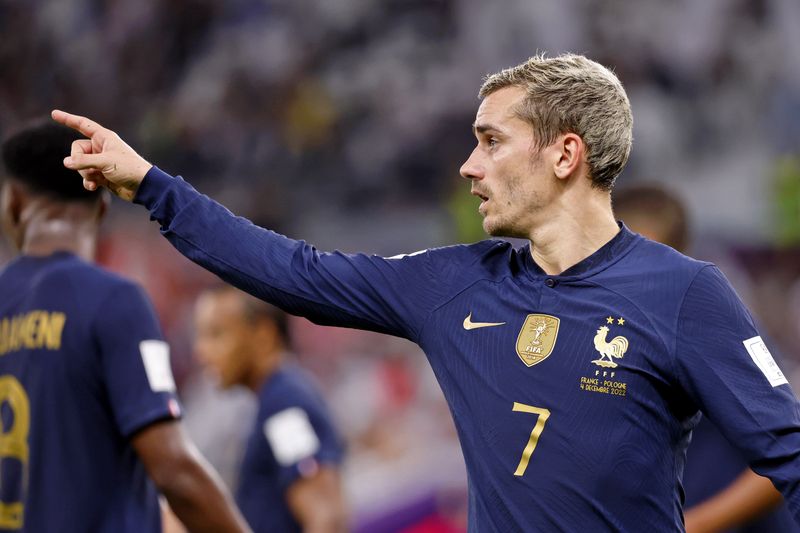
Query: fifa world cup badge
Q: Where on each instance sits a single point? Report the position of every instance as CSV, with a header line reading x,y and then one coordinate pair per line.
x,y
537,338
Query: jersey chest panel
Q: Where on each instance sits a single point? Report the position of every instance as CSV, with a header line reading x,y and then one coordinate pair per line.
x,y
558,388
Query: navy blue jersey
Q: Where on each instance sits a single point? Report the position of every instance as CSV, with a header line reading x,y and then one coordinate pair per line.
x,y
293,437
574,396
82,368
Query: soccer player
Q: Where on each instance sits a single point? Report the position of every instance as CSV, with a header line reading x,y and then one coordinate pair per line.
x,y
289,478
576,366
88,400
721,492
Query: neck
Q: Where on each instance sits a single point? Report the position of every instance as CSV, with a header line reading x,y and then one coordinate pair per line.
x,y
60,236
48,228
573,230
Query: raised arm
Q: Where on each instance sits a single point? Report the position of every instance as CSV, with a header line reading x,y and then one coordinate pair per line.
x,y
388,295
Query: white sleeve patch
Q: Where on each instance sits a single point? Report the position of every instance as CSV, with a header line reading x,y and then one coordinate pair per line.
x,y
763,359
291,436
155,355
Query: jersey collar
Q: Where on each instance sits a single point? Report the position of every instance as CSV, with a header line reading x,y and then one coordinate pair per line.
x,y
23,261
604,257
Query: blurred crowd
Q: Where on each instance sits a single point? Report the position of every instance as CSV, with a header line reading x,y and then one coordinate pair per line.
x,y
344,122
294,112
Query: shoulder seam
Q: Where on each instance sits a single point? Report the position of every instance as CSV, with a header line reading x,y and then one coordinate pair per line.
x,y
452,297
121,283
674,351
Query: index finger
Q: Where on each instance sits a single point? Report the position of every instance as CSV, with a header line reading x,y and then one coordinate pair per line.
x,y
76,122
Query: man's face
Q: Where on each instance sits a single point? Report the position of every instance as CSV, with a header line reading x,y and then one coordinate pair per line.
x,y
222,335
507,175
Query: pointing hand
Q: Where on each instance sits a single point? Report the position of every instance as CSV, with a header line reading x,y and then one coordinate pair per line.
x,y
103,159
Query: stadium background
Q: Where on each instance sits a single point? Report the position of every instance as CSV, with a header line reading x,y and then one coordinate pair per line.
x,y
344,122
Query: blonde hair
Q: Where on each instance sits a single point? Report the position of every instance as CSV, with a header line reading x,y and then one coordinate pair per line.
x,y
573,94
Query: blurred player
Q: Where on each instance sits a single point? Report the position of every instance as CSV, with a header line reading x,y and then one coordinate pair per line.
x,y
575,367
721,492
87,395
289,478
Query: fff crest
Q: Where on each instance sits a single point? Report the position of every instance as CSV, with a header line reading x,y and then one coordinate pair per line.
x,y
609,350
537,338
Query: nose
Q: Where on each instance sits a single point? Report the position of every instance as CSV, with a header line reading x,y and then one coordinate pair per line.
x,y
472,169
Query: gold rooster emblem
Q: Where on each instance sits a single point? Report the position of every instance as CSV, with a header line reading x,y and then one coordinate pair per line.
x,y
615,349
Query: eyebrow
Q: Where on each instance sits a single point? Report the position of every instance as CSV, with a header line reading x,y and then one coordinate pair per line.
x,y
484,128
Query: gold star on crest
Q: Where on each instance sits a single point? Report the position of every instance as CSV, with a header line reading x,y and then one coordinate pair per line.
x,y
609,320
620,321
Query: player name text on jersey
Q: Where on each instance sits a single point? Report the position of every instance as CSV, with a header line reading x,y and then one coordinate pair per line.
x,y
31,330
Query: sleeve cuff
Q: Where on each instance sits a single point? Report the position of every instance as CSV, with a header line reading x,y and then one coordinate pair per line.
x,y
152,188
170,411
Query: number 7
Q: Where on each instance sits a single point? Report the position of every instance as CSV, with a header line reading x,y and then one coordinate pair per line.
x,y
544,414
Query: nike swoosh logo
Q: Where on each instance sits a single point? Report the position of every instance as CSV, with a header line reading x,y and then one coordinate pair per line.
x,y
469,324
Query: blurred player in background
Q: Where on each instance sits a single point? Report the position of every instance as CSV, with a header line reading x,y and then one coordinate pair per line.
x,y
722,493
90,419
289,478
576,366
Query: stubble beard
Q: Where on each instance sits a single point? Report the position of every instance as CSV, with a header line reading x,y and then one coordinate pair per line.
x,y
511,224
503,228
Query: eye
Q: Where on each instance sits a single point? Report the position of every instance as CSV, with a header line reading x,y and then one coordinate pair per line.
x,y
492,142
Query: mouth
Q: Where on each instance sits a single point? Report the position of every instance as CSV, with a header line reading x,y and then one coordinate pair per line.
x,y
479,195
483,198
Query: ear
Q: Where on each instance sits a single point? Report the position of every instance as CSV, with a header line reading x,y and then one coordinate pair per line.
x,y
570,151
14,199
12,203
